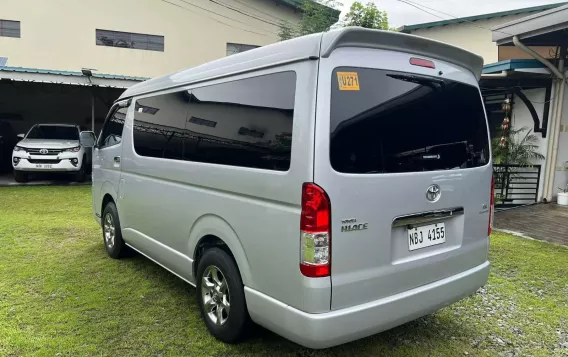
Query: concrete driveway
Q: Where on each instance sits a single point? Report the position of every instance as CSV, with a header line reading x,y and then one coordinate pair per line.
x,y
547,222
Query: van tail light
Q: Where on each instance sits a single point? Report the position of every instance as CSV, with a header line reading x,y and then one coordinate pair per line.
x,y
315,232
422,63
491,206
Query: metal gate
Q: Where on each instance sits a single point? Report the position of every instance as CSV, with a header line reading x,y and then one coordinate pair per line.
x,y
516,185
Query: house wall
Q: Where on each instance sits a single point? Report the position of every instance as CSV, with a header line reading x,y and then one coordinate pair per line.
x,y
521,117
60,34
476,37
512,52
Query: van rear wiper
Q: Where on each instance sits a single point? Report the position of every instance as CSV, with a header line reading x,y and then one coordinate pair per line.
x,y
433,83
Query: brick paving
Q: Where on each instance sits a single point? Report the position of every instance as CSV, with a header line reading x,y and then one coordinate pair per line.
x,y
548,222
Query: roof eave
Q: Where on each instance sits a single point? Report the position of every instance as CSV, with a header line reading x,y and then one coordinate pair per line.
x,y
539,24
409,28
66,77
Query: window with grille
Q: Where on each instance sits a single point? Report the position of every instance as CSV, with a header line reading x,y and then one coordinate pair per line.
x,y
204,122
234,48
136,41
145,109
9,28
251,132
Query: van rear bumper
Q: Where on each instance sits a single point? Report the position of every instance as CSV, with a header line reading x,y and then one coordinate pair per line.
x,y
352,323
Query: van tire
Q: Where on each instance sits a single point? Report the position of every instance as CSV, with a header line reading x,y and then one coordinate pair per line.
x,y
20,176
237,325
115,246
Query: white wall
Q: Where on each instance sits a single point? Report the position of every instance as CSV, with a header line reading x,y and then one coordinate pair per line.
x,y
475,37
60,34
521,117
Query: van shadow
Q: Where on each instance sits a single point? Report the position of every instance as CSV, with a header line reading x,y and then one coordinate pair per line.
x,y
420,334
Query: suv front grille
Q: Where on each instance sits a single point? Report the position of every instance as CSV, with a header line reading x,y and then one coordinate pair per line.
x,y
44,161
36,151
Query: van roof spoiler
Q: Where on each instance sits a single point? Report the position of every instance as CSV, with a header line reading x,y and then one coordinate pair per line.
x,y
308,48
396,41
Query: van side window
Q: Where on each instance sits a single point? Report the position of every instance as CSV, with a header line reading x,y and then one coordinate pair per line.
x,y
111,133
159,132
244,123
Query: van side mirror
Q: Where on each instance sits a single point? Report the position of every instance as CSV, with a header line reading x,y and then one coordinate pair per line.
x,y
21,136
87,139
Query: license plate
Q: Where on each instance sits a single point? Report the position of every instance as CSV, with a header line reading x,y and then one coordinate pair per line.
x,y
426,236
43,166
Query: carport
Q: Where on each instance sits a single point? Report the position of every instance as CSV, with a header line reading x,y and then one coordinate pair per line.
x,y
30,96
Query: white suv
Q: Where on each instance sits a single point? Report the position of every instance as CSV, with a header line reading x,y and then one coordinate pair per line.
x,y
52,148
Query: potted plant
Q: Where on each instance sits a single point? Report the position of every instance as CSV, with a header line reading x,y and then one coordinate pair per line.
x,y
563,196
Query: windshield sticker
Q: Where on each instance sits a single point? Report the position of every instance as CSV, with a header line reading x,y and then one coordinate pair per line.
x,y
348,80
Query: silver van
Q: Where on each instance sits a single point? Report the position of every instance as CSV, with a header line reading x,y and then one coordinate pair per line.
x,y
327,188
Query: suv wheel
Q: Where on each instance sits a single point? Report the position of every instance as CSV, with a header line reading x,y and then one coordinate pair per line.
x,y
112,235
80,175
20,176
221,297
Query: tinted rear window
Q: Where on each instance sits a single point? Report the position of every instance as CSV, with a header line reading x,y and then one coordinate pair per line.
x,y
401,122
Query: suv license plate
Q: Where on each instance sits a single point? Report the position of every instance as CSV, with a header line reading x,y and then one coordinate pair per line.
x,y
426,236
43,166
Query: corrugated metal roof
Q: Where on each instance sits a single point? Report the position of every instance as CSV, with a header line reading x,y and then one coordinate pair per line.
x,y
70,73
511,64
409,28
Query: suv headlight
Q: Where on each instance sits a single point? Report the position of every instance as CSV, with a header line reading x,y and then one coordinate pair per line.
x,y
75,149
19,148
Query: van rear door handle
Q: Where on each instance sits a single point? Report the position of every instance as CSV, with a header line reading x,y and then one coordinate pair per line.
x,y
422,218
117,159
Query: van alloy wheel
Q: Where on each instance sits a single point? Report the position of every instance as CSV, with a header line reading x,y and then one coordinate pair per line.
x,y
109,230
215,295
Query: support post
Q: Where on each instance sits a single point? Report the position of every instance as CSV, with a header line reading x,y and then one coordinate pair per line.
x,y
93,111
559,114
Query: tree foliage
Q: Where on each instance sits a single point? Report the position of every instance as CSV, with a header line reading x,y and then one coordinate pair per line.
x,y
368,16
286,31
321,15
317,16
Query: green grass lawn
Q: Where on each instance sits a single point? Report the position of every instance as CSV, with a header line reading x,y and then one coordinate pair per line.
x,y
61,296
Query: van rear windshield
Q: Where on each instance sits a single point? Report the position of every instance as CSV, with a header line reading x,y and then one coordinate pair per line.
x,y
387,122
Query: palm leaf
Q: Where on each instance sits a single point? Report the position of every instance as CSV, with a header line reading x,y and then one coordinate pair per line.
x,y
521,149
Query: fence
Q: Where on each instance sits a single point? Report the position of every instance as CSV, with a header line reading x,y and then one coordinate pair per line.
x,y
516,185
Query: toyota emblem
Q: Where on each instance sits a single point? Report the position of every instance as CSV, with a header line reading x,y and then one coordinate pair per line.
x,y
433,193
43,151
